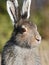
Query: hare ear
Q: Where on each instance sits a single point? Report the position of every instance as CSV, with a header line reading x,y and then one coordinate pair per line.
x,y
25,13
12,8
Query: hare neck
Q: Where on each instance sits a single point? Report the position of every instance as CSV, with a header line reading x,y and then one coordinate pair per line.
x,y
33,54
37,59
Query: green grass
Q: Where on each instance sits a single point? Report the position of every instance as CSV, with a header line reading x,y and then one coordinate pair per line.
x,y
5,29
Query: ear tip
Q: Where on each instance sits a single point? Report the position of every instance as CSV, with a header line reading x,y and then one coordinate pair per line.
x,y
26,9
8,4
12,9
8,1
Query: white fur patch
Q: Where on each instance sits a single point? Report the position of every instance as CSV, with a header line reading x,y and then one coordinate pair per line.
x,y
16,3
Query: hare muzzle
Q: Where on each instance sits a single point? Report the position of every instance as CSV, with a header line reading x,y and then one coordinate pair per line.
x,y
38,38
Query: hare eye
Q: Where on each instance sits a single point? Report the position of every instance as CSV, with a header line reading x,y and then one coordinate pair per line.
x,y
21,29
24,29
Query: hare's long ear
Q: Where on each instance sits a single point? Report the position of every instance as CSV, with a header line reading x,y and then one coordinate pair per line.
x,y
25,13
13,10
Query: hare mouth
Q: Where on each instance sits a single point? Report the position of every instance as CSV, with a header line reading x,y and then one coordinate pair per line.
x,y
38,41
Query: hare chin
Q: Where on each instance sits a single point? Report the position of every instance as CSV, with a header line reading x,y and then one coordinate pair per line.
x,y
36,44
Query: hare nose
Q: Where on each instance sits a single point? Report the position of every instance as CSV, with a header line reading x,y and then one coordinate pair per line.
x,y
38,38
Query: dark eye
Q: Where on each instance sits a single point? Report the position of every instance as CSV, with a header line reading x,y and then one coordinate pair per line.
x,y
21,29
24,29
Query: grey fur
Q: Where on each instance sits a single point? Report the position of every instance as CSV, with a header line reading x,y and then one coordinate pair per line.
x,y
19,50
22,48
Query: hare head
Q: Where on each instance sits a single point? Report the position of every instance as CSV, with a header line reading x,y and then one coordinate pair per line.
x,y
25,33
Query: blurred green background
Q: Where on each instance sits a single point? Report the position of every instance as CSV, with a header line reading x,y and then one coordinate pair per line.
x,y
39,15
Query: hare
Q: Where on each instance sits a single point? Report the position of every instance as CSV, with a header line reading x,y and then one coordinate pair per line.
x,y
22,46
